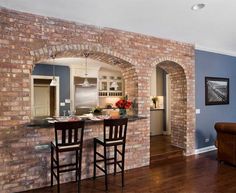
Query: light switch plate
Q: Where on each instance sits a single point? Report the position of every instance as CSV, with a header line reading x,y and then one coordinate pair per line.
x,y
198,111
62,104
67,100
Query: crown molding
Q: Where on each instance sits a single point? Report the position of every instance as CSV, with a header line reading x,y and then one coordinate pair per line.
x,y
217,51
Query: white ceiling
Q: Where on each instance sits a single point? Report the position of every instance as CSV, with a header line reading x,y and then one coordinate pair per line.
x,y
212,28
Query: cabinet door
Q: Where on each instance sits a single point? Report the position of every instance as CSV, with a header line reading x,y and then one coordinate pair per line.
x,y
156,122
119,88
103,83
103,86
111,88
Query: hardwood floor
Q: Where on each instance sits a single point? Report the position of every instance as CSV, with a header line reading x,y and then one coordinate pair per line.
x,y
194,174
161,149
161,144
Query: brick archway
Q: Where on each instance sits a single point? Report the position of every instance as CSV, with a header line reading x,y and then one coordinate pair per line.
x,y
76,50
103,54
182,106
183,126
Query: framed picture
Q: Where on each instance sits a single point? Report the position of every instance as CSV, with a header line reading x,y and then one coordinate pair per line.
x,y
216,91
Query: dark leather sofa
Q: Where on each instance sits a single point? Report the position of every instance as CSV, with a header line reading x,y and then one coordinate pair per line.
x,y
226,142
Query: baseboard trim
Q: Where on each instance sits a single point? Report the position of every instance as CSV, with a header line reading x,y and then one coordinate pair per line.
x,y
205,149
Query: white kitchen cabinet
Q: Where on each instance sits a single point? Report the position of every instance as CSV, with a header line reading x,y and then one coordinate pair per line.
x,y
105,85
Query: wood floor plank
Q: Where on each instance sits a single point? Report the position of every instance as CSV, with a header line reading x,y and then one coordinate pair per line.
x,y
195,174
161,144
161,150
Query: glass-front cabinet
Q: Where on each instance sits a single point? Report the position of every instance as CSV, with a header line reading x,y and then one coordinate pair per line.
x,y
110,86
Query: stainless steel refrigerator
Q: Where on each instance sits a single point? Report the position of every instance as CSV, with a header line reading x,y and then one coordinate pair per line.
x,y
86,98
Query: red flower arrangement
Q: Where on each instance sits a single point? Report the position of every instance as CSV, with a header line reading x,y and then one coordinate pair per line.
x,y
123,104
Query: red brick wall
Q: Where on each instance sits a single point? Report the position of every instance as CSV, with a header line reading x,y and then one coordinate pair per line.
x,y
26,39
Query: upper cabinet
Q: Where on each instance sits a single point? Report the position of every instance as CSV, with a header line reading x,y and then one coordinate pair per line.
x,y
110,84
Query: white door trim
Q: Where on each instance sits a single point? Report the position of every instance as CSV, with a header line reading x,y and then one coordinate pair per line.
x,y
168,105
57,91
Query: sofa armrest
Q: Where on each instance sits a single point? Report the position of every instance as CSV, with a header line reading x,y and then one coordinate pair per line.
x,y
226,127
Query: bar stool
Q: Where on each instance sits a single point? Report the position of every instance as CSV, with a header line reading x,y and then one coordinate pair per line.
x,y
114,135
68,137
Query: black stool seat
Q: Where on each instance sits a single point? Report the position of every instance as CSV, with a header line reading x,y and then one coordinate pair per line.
x,y
114,135
62,148
68,137
102,141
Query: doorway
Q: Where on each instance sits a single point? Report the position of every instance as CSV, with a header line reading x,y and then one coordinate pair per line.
x,y
162,127
42,100
44,97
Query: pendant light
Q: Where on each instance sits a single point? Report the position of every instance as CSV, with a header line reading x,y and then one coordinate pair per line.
x,y
54,80
86,82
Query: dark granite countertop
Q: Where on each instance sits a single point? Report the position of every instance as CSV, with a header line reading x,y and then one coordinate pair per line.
x,y
43,123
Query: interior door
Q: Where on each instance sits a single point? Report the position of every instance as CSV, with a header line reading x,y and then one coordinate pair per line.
x,y
41,100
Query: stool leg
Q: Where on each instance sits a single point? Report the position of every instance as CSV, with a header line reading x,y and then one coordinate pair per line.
x,y
79,170
94,160
76,162
52,153
123,165
115,159
105,167
58,174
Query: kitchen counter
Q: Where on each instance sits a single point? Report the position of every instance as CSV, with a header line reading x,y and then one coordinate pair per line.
x,y
40,133
45,123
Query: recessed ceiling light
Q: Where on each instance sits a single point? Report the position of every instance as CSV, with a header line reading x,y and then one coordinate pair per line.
x,y
198,6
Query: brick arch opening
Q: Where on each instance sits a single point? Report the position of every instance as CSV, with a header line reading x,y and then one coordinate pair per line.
x,y
178,105
182,115
102,54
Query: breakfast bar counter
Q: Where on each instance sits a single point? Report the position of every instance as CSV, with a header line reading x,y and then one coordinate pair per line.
x,y
38,134
47,123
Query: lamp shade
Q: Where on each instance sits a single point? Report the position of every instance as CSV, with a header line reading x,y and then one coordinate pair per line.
x,y
86,83
53,82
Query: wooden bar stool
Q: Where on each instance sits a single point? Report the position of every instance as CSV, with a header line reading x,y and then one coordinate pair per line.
x,y
68,137
114,135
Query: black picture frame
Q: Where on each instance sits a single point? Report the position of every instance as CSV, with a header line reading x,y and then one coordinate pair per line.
x,y
216,91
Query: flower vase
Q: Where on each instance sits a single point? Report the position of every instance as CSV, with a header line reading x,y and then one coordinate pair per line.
x,y
122,112
155,105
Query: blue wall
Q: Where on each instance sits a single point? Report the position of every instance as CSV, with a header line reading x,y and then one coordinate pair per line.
x,y
216,65
64,73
